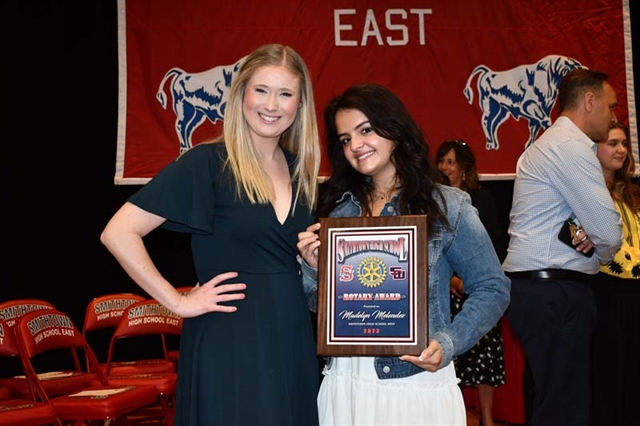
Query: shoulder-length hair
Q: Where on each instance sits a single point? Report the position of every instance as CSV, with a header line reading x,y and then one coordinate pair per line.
x,y
623,189
389,118
301,139
465,158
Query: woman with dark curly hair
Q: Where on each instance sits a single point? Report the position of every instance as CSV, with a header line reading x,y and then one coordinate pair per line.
x,y
380,167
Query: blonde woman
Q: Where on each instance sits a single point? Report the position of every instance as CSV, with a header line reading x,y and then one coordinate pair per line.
x,y
247,353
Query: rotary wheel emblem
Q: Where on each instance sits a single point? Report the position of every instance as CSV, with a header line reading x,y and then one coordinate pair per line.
x,y
372,271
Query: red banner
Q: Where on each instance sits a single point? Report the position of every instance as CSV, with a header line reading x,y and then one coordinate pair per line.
x,y
483,71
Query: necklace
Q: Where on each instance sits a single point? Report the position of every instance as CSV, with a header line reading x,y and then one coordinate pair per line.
x,y
379,195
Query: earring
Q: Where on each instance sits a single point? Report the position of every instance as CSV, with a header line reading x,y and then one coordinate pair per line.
x,y
463,175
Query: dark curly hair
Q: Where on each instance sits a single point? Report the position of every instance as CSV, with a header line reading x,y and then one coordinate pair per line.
x,y
389,118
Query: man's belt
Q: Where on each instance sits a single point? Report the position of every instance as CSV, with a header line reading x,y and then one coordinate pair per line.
x,y
550,274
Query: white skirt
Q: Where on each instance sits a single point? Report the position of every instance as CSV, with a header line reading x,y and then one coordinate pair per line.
x,y
352,394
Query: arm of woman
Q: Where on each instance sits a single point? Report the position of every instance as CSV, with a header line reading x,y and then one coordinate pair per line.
x,y
484,282
123,237
310,285
308,243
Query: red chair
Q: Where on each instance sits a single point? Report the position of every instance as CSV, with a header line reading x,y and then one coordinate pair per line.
x,y
55,382
174,355
148,318
145,318
12,310
41,332
105,312
5,391
20,411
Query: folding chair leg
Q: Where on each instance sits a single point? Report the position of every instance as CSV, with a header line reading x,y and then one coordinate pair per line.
x,y
169,405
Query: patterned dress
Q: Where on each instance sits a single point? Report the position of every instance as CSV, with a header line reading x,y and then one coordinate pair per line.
x,y
483,364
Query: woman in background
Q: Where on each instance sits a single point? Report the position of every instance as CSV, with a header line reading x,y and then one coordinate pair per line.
x,y
615,372
483,365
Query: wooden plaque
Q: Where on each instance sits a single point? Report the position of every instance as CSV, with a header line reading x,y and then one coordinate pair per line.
x,y
373,286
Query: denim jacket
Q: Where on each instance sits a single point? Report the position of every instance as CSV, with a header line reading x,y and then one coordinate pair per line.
x,y
465,247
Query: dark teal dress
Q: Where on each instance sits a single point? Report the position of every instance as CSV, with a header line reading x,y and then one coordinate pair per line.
x,y
256,366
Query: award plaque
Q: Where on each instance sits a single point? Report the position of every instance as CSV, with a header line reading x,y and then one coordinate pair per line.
x,y
372,286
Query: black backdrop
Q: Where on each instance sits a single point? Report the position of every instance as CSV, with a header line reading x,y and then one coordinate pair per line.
x,y
59,126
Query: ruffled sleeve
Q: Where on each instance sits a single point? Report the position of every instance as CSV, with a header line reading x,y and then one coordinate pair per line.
x,y
184,191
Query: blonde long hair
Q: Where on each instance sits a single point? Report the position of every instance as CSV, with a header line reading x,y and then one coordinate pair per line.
x,y
301,139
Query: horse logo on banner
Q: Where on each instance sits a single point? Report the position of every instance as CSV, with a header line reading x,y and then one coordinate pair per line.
x,y
527,91
196,97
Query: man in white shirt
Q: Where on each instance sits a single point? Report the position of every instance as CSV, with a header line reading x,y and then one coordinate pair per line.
x,y
552,307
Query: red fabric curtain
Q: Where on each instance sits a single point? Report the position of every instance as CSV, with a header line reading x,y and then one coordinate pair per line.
x,y
456,64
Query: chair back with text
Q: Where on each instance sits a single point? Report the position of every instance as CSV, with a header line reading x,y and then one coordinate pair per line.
x,y
56,382
43,331
145,318
40,332
12,310
16,411
104,312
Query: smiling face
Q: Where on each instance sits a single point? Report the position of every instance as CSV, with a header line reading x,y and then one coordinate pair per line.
x,y
450,167
364,149
613,152
271,102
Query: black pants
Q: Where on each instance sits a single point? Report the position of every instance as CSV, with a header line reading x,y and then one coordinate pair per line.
x,y
615,369
554,321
